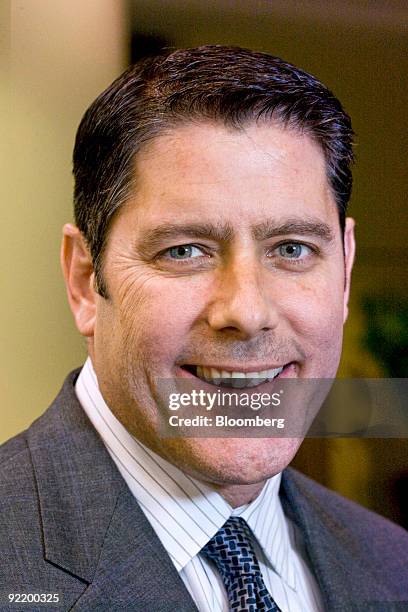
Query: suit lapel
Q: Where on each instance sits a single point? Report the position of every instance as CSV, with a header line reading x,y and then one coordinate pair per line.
x,y
134,570
340,562
92,526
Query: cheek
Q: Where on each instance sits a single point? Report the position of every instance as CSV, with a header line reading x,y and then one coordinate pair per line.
x,y
157,316
314,311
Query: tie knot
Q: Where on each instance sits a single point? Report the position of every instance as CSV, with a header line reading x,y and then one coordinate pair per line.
x,y
232,551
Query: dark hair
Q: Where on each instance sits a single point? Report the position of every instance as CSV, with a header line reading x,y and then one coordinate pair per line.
x,y
230,85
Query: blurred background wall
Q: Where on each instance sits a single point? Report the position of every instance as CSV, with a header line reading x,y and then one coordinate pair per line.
x,y
61,53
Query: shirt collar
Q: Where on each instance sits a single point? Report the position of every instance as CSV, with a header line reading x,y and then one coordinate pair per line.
x,y
185,513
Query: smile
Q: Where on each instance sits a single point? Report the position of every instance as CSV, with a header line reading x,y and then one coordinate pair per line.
x,y
235,379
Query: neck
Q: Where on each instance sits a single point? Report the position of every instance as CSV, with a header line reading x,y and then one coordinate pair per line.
x,y
238,495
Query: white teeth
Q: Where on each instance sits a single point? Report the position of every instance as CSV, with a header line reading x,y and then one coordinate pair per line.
x,y
206,373
273,373
238,380
215,373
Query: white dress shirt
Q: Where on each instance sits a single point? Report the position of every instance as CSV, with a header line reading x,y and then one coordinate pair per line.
x,y
185,513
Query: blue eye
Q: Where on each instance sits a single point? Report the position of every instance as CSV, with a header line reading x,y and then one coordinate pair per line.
x,y
293,250
184,251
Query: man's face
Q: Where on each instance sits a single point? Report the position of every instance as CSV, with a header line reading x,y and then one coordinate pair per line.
x,y
228,256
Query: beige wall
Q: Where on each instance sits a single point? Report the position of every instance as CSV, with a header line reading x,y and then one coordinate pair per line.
x,y
61,54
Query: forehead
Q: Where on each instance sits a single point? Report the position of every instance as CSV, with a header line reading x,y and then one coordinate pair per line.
x,y
214,171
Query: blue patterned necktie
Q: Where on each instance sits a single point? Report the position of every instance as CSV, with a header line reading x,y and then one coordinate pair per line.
x,y
233,554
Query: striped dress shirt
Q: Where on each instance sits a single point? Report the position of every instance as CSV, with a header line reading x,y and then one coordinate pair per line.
x,y
185,513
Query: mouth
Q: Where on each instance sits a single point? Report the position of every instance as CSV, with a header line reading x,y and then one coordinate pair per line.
x,y
234,378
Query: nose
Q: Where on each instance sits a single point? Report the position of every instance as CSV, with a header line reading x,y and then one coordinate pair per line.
x,y
240,302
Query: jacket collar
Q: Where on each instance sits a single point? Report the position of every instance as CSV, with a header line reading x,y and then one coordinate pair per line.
x,y
92,526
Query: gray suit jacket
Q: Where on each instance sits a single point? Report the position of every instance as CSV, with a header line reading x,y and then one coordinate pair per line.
x,y
70,526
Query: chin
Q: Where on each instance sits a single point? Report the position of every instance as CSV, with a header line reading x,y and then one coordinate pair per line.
x,y
232,460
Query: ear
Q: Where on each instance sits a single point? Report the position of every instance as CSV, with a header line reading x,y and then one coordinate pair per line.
x,y
349,253
78,272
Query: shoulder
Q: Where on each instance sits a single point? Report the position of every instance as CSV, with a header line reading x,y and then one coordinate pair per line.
x,y
23,568
340,507
18,482
16,473
12,451
18,499
16,467
352,524
357,555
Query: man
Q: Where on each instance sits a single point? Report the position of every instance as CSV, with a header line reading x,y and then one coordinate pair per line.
x,y
211,246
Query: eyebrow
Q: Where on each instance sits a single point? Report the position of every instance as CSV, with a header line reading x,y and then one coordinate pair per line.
x,y
301,227
153,238
224,232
